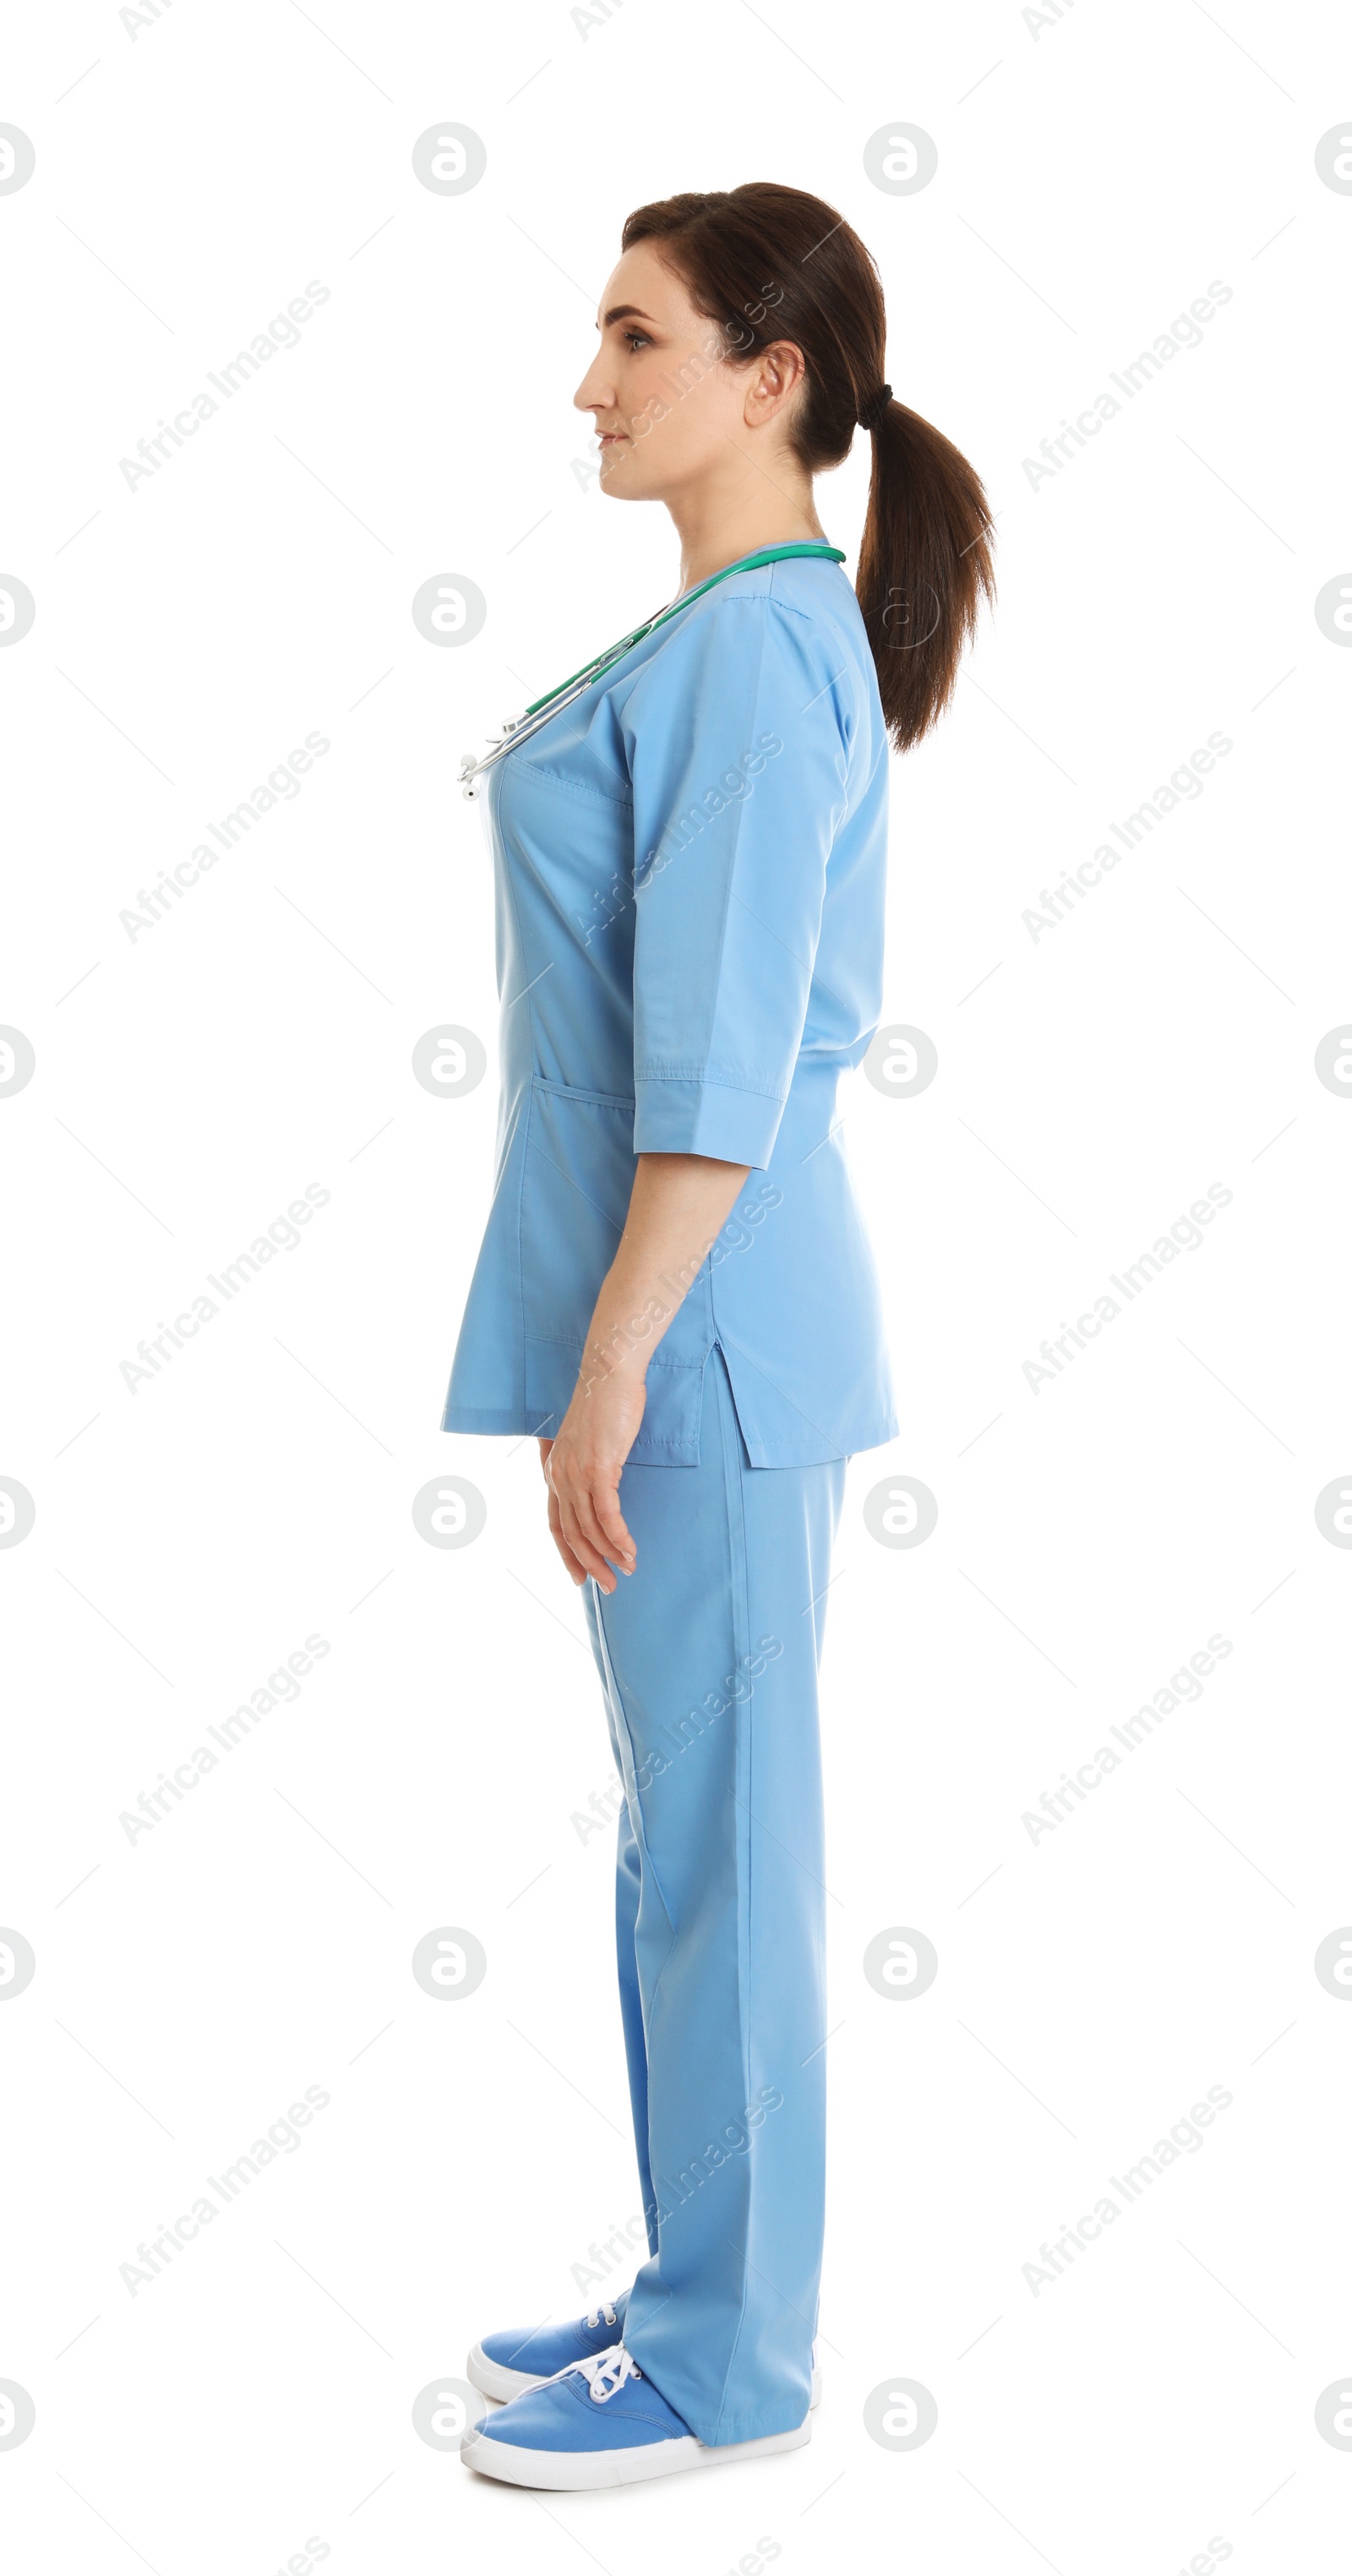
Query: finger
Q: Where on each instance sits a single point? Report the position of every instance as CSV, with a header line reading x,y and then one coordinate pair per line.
x,y
588,1554
577,1573
582,1533
584,1512
545,1447
619,1544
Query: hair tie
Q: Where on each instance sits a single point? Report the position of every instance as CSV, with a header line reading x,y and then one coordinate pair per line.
x,y
871,412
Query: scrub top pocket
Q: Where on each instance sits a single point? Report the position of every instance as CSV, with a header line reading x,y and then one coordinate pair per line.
x,y
578,1180
579,1176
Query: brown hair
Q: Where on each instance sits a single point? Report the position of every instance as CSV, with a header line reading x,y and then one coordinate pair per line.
x,y
768,263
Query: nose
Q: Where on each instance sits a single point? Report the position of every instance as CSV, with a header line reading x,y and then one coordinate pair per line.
x,y
596,392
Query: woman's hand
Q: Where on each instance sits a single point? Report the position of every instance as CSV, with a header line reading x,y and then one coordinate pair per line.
x,y
582,1470
678,1203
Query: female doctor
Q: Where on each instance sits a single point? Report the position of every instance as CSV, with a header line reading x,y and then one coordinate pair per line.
x,y
675,1291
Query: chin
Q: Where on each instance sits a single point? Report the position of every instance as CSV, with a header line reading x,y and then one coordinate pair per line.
x,y
622,481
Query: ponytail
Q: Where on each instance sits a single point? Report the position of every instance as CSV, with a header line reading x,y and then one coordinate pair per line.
x,y
770,263
924,568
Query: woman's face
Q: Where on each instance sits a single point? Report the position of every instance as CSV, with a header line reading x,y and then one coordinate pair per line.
x,y
671,405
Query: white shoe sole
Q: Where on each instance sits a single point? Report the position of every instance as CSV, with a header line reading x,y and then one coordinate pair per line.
x,y
494,2379
577,2469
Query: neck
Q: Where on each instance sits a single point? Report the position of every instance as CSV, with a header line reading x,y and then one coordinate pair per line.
x,y
715,530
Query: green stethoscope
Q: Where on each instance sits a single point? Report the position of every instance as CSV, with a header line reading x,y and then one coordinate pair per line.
x,y
541,710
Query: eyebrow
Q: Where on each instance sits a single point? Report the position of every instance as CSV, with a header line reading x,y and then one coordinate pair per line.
x,y
621,312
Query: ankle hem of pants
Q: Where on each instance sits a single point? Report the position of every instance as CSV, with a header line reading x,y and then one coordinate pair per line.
x,y
719,2432
745,2428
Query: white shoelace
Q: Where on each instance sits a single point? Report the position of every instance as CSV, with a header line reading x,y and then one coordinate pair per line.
x,y
594,2315
608,2372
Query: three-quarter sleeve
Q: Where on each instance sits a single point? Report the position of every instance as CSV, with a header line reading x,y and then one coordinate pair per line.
x,y
738,741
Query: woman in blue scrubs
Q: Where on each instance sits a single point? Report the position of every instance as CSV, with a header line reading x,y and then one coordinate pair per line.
x,y
675,1290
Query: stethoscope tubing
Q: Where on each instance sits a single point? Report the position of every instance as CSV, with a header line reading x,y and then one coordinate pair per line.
x,y
543,710
520,728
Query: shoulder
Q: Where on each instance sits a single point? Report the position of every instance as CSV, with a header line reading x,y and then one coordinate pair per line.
x,y
781,647
802,590
814,636
799,617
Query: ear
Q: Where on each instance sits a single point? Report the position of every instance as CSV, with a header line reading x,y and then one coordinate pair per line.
x,y
772,381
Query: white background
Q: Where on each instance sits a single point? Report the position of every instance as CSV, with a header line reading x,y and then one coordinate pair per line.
x,y
1094,175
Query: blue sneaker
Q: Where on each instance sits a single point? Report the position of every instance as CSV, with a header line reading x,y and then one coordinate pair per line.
x,y
600,2423
506,2365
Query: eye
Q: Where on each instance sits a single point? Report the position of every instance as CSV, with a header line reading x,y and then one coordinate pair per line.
x,y
635,339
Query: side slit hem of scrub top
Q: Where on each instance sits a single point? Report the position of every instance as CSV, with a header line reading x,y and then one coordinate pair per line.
x,y
650,1449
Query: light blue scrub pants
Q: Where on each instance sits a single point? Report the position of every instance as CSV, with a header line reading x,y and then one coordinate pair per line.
x,y
708,1656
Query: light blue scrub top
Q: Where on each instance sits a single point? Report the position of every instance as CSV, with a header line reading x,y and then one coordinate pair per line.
x,y
690,863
